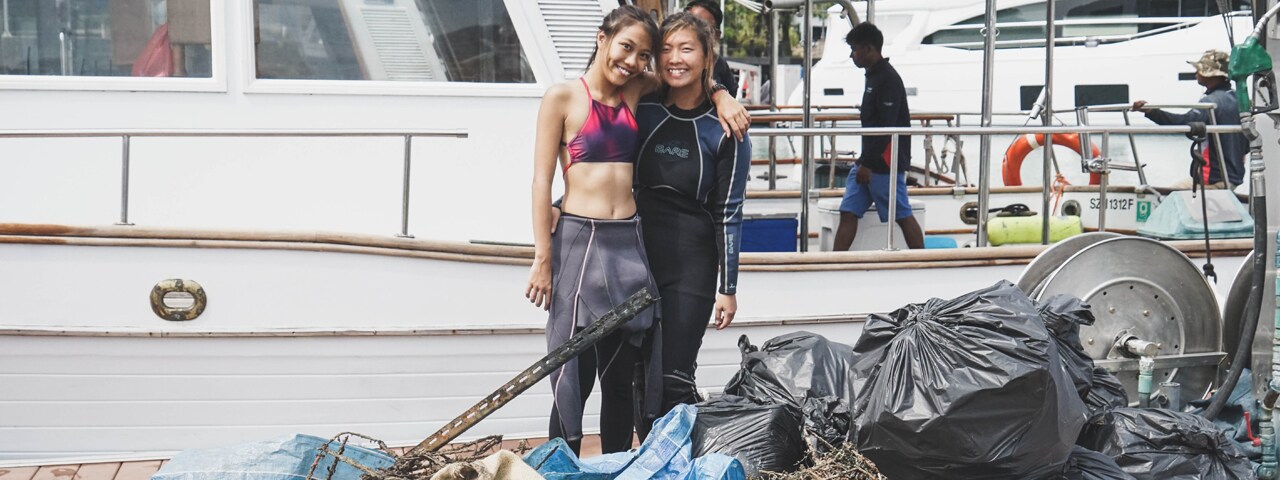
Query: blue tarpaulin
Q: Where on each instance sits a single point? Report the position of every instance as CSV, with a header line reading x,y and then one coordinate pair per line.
x,y
284,458
666,454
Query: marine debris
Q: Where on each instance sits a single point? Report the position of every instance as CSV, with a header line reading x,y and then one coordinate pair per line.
x,y
840,461
411,465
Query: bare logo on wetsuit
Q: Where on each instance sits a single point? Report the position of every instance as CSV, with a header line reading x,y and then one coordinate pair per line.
x,y
661,149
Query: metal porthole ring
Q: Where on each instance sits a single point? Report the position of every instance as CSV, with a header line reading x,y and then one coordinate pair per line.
x,y
174,285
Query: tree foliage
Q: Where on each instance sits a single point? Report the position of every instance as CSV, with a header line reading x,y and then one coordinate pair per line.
x,y
746,33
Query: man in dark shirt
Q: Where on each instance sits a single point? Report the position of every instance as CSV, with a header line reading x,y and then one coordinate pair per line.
x,y
709,11
884,104
1211,73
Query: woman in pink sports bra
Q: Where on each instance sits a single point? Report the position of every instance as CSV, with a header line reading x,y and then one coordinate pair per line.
x,y
596,258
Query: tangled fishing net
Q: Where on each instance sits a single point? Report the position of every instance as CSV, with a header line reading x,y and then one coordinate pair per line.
x,y
841,461
411,465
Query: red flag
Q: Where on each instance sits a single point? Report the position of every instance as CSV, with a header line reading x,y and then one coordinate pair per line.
x,y
156,59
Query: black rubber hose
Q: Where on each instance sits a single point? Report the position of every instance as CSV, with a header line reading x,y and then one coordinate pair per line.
x,y
1252,307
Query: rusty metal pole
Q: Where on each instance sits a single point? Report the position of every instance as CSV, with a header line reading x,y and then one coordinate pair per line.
x,y
536,372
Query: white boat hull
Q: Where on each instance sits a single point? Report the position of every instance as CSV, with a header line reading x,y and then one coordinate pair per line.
x,y
323,342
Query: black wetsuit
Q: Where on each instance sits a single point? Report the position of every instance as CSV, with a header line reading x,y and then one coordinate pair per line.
x,y
690,183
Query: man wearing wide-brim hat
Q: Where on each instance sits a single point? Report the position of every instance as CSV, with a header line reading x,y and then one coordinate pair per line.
x,y
1211,73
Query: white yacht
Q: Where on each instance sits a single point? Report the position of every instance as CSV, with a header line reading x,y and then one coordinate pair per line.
x,y
1107,52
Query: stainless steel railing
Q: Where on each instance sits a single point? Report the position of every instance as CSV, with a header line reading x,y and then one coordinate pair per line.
x,y
832,117
984,181
1082,117
127,135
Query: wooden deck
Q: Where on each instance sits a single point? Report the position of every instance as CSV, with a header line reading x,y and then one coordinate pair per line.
x,y
142,470
89,471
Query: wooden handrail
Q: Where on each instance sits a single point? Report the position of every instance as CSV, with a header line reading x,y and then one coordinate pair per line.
x,y
119,236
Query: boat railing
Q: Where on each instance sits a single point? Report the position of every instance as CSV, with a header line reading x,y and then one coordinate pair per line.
x,y
1100,165
936,165
126,136
827,144
1086,149
1169,24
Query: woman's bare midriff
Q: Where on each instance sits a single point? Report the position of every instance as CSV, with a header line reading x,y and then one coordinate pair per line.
x,y
599,190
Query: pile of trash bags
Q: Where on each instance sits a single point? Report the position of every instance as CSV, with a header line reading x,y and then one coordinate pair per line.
x,y
985,385
988,385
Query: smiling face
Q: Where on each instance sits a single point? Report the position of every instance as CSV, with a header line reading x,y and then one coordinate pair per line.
x,y
624,55
683,59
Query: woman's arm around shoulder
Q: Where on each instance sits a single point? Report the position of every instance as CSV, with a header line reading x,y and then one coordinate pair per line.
x,y
734,118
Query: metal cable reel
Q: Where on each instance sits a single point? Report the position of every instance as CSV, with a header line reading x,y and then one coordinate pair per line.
x,y
1049,260
1151,305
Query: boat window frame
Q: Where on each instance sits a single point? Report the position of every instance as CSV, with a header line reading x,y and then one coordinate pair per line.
x,y
1069,41
216,82
522,20
1168,24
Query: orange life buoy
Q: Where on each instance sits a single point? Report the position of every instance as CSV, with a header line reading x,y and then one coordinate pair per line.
x,y
1018,150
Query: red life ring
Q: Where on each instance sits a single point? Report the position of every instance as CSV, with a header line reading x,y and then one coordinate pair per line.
x,y
1018,150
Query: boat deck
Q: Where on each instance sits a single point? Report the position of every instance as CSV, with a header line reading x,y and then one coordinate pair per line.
x,y
140,470
143,469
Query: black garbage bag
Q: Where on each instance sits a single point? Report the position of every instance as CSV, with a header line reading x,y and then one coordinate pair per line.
x,y
1063,315
1086,464
1153,443
790,367
804,370
826,422
965,388
763,436
1106,393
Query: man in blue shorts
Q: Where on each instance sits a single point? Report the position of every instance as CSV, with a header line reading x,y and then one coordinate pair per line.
x,y
884,104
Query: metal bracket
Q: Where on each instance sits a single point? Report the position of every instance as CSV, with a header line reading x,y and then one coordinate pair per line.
x,y
1164,362
1102,165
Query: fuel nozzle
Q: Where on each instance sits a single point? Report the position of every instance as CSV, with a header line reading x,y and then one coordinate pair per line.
x,y
1249,58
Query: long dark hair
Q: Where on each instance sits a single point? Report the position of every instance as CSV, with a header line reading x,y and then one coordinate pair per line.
x,y
623,17
706,36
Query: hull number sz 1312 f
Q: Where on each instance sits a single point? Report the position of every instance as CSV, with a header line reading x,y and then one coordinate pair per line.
x,y
1113,204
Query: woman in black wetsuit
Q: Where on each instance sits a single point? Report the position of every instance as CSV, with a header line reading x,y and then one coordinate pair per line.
x,y
690,180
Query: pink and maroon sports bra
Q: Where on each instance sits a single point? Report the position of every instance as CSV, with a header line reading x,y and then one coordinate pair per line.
x,y
609,135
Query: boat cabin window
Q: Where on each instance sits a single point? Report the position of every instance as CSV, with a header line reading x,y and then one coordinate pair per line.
x,y
99,38
1080,22
970,31
398,40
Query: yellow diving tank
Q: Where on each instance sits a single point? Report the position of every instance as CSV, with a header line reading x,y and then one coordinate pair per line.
x,y
1012,230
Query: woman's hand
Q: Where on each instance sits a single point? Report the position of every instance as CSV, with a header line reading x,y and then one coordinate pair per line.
x,y
726,308
539,290
733,116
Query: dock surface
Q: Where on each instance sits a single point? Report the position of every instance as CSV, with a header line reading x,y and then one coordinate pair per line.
x,y
142,470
